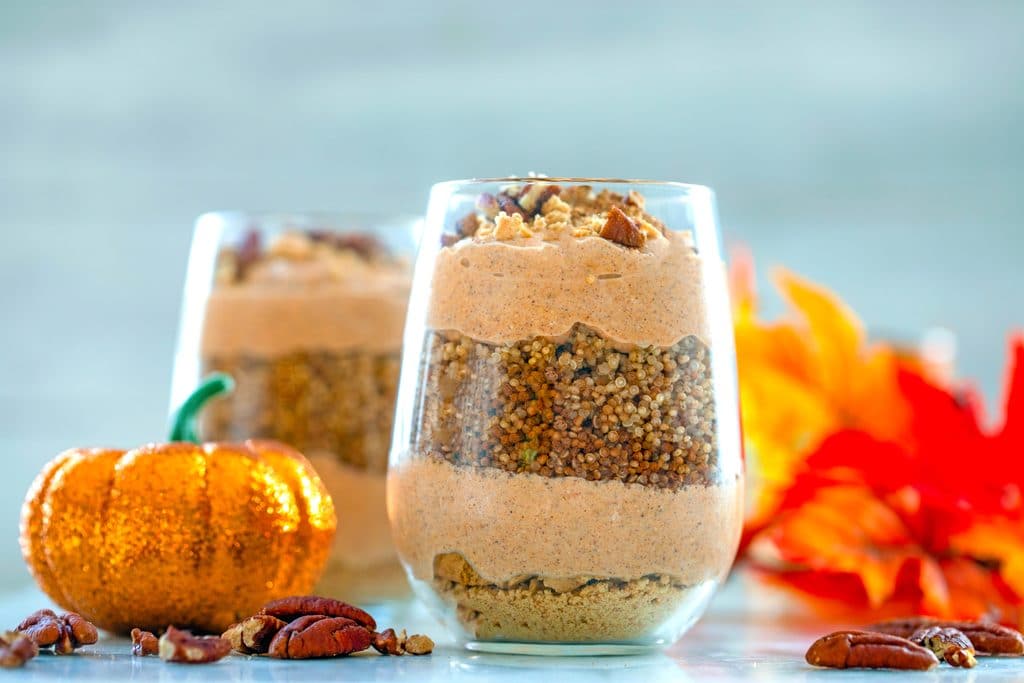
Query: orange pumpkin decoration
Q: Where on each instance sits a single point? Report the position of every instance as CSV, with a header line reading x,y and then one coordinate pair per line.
x,y
198,536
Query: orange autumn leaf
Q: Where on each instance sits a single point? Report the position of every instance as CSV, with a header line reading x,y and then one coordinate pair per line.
x,y
803,378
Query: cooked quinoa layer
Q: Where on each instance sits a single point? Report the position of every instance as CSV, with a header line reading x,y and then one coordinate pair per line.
x,y
580,408
342,403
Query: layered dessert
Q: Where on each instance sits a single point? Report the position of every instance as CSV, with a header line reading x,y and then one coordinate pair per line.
x,y
563,480
310,326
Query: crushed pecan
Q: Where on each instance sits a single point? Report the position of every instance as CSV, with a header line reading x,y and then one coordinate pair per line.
x,y
16,649
417,644
252,636
65,633
869,650
621,229
144,643
387,642
948,644
184,648
291,608
315,636
987,637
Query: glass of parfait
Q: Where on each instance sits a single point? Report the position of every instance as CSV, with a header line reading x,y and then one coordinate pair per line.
x,y
305,311
566,469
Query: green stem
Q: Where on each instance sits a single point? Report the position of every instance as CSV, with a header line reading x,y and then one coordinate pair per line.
x,y
183,424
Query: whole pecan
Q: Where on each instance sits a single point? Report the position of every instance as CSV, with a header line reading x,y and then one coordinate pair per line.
x,y
948,644
144,643
315,636
252,636
869,650
16,649
65,633
987,637
290,609
184,648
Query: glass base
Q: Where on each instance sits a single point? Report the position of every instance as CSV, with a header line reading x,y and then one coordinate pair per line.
x,y
564,649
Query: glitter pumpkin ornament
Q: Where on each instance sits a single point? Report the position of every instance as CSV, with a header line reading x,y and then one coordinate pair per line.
x,y
196,535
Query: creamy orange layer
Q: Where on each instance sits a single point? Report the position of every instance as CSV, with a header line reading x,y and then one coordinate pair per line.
x,y
500,292
509,525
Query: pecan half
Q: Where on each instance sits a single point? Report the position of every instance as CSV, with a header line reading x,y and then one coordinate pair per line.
x,y
869,650
948,644
184,648
252,636
65,633
16,649
290,609
987,637
144,643
314,636
621,229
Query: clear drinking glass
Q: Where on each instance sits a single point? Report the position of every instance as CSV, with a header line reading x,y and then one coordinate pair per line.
x,y
306,311
565,473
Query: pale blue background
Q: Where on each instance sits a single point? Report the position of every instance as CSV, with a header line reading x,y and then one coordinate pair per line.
x,y
875,146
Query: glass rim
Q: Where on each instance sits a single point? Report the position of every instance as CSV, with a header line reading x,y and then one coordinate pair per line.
x,y
689,187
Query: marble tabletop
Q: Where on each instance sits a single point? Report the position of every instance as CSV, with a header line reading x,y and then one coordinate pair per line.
x,y
749,634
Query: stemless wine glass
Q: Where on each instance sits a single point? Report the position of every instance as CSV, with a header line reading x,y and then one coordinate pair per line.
x,y
565,473
306,311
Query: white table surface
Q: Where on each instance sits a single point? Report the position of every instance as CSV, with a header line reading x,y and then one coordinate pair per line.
x,y
749,633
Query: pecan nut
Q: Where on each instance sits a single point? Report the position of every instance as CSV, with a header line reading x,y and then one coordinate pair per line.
x,y
252,636
65,633
869,650
184,648
315,636
621,229
290,609
987,637
418,644
948,644
144,643
16,649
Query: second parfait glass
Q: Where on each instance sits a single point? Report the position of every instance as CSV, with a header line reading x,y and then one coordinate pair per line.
x,y
565,472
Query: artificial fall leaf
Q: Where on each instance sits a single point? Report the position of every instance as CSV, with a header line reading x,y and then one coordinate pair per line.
x,y
932,522
804,378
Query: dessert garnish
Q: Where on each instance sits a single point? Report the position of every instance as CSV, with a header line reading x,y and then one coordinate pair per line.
x,y
65,633
16,649
144,643
314,627
181,647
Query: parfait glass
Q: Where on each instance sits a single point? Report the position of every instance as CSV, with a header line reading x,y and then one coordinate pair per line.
x,y
566,470
305,311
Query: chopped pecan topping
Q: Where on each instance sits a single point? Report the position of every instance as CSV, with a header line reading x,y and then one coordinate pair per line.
x,y
869,650
182,647
144,643
621,229
316,636
16,649
290,609
987,637
65,633
252,636
948,644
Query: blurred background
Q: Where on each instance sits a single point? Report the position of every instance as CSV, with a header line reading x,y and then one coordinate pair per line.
x,y
873,146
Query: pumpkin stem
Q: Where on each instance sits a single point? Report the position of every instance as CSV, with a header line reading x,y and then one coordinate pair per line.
x,y
183,424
